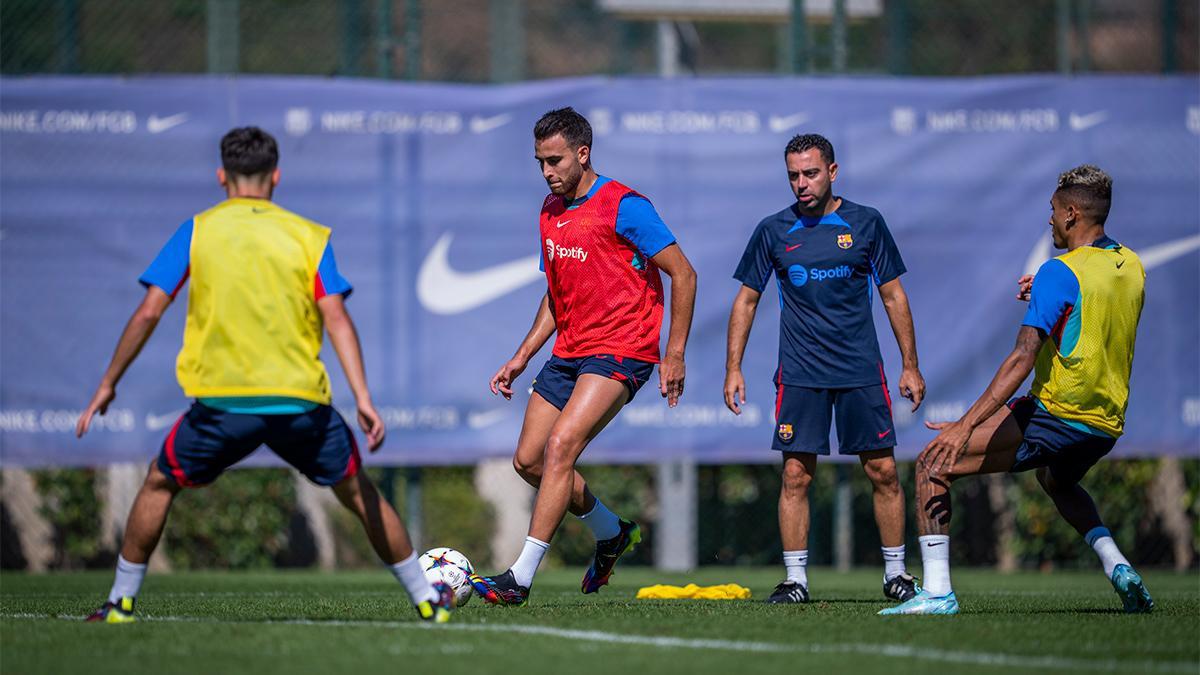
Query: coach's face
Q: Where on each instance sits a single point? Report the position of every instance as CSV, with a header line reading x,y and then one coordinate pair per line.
x,y
562,167
810,177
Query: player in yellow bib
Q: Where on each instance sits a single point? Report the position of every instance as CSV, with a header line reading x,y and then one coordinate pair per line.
x,y
264,287
1078,337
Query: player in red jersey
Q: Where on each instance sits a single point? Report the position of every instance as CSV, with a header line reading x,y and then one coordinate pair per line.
x,y
602,248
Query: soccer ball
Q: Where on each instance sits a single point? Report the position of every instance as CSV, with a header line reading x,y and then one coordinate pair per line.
x,y
451,567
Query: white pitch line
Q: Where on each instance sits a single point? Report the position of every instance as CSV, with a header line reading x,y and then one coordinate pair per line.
x,y
863,649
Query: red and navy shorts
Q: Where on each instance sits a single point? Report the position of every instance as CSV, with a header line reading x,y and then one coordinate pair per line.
x,y
863,416
1050,442
206,441
557,378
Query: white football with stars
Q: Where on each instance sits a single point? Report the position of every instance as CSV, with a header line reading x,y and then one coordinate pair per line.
x,y
451,567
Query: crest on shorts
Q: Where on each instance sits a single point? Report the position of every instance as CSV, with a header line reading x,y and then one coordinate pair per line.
x,y
845,240
785,432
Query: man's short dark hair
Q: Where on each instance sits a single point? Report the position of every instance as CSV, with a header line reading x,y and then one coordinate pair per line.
x,y
805,142
249,151
574,127
1089,189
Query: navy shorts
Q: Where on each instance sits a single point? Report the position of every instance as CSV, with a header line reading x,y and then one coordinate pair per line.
x,y
863,416
1068,452
206,441
557,378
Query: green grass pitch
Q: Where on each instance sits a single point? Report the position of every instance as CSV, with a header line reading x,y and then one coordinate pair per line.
x,y
360,622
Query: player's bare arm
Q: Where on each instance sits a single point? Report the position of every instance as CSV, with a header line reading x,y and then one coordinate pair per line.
x,y
943,451
139,328
683,302
741,318
344,337
542,329
895,301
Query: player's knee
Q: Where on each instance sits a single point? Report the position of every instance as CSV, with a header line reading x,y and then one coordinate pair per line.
x,y
531,472
560,455
796,480
156,480
1046,480
883,477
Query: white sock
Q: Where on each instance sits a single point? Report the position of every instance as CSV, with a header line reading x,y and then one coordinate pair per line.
x,y
796,564
935,556
1101,540
893,561
603,523
408,573
128,581
527,563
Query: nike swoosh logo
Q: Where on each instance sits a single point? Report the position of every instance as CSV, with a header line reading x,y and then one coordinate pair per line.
x,y
482,420
1120,264
938,543
443,290
482,125
157,125
884,433
1085,122
1152,257
160,422
793,247
561,223
780,124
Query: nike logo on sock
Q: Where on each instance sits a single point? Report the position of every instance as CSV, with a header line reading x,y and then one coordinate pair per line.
x,y
935,543
793,247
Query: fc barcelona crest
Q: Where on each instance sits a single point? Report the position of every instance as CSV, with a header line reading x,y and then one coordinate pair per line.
x,y
845,241
785,432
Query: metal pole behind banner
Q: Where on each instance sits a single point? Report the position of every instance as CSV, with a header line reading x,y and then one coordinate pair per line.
x,y
351,52
1062,23
799,39
508,40
898,37
840,50
223,39
68,36
1169,24
843,521
675,536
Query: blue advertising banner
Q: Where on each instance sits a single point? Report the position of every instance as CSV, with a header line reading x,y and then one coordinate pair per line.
x,y
433,193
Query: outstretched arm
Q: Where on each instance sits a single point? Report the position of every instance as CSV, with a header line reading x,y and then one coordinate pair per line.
x,y
943,451
344,337
895,301
683,303
542,329
139,329
741,318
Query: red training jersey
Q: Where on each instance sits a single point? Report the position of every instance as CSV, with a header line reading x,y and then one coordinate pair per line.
x,y
606,296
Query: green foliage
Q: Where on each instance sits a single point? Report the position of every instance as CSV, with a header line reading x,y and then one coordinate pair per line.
x,y
71,506
239,522
627,491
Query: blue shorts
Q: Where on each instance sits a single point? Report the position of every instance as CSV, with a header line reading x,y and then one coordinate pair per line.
x,y
1068,452
803,414
206,441
557,378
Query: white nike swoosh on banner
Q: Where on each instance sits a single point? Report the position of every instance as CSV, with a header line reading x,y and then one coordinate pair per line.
x,y
1152,257
482,125
157,125
443,290
1084,122
780,124
160,422
481,420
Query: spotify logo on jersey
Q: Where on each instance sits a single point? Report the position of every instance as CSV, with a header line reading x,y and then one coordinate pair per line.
x,y
800,275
